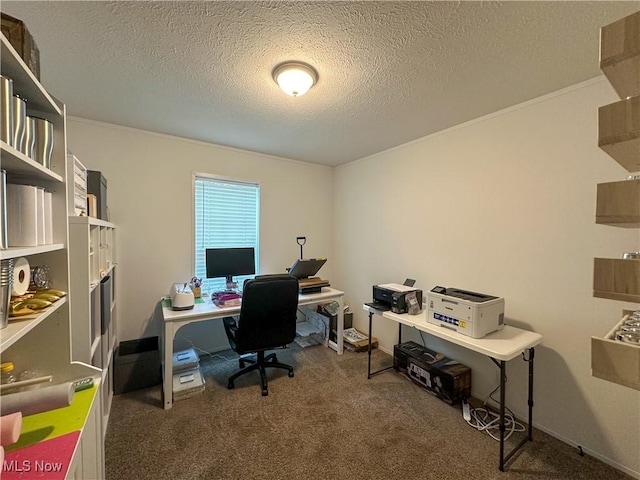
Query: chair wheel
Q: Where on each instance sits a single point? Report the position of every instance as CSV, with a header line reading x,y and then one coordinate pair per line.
x,y
230,385
291,374
265,392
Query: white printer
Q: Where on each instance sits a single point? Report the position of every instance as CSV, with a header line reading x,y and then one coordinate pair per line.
x,y
181,296
470,313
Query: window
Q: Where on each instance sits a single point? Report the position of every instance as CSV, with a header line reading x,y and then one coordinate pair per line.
x,y
227,214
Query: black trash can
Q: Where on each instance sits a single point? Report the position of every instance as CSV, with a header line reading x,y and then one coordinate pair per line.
x,y
136,365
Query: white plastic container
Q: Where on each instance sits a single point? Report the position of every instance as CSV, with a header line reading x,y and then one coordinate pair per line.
x,y
187,384
22,219
185,360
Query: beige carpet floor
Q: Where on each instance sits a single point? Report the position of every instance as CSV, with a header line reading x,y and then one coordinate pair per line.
x,y
328,422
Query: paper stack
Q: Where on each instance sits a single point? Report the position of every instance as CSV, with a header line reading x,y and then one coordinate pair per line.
x,y
356,341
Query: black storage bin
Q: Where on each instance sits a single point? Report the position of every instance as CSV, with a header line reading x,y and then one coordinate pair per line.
x,y
333,324
97,185
136,365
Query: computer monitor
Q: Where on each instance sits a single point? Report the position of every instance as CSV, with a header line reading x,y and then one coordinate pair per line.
x,y
230,262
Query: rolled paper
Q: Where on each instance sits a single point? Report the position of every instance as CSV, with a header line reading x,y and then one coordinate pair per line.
x,y
37,401
48,218
10,427
21,276
40,215
22,224
30,382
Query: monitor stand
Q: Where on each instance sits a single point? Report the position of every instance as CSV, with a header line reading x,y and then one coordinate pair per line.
x,y
232,287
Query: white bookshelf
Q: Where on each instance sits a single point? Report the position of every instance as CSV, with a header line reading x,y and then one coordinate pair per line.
x,y
42,342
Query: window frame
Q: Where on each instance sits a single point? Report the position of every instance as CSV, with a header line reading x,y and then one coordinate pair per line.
x,y
229,180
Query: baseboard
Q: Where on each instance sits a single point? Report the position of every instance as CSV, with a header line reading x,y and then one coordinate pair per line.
x,y
588,451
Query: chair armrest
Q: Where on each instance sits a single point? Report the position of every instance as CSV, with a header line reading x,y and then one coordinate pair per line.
x,y
230,327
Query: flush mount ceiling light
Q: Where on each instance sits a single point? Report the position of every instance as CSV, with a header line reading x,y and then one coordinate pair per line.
x,y
295,78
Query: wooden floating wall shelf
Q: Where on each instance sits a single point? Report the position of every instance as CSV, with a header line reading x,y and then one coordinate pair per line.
x,y
619,131
618,203
616,279
614,360
620,55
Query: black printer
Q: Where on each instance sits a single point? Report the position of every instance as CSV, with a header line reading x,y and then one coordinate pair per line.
x,y
393,296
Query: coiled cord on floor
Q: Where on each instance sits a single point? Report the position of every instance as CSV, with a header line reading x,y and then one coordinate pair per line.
x,y
486,419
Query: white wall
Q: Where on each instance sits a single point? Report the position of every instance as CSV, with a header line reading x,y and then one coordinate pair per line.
x,y
503,205
149,195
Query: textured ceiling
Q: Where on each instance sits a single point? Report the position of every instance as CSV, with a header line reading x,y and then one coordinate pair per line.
x,y
390,72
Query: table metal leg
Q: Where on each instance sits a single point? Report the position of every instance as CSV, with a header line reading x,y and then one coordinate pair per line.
x,y
503,382
369,348
529,437
531,355
369,372
340,326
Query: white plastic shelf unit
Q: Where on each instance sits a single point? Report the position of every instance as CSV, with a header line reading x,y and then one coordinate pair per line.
x,y
42,342
93,269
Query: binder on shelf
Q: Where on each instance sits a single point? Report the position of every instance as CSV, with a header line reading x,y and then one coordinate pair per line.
x,y
79,185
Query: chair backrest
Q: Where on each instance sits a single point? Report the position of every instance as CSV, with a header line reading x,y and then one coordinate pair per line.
x,y
268,313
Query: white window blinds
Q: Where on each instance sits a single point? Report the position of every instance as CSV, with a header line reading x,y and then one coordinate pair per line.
x,y
227,214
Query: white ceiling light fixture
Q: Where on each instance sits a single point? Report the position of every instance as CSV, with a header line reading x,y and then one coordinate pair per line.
x,y
295,78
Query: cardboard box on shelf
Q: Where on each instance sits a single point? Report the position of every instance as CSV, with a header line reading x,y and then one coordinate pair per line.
x,y
19,37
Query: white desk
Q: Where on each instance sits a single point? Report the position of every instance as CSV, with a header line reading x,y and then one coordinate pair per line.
x,y
173,320
500,347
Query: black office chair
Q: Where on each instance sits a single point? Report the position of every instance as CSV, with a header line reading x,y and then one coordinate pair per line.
x,y
267,321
